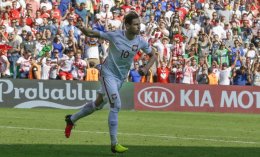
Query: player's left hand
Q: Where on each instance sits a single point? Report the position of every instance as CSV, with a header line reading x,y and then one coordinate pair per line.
x,y
142,71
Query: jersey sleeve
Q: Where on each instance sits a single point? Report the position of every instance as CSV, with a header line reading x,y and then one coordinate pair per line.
x,y
106,35
145,47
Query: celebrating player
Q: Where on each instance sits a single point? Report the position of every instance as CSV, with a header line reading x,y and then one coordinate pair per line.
x,y
123,45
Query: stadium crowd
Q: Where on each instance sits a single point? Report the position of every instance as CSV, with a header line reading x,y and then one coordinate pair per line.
x,y
197,41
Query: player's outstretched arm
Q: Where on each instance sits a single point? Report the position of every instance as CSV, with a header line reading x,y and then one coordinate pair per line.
x,y
88,32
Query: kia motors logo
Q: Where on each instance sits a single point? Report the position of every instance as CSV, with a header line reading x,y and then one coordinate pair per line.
x,y
156,97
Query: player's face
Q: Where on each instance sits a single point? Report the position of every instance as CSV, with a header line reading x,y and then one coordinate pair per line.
x,y
134,28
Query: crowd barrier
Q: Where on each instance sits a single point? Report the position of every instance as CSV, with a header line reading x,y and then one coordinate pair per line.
x,y
23,93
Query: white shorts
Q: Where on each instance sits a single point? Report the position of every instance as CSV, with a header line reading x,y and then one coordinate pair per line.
x,y
110,87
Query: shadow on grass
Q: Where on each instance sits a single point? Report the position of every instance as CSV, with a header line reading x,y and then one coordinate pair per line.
x,y
41,150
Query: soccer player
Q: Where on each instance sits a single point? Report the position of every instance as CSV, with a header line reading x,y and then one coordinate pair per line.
x,y
123,45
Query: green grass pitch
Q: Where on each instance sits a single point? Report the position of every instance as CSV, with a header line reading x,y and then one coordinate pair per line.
x,y
39,133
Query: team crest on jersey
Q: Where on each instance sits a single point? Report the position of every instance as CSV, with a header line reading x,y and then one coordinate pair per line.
x,y
114,96
134,48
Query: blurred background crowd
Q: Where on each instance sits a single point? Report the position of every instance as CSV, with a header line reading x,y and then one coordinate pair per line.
x,y
197,41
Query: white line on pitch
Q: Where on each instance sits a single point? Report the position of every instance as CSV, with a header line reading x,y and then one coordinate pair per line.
x,y
137,134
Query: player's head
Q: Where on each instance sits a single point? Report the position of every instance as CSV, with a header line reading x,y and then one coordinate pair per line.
x,y
132,22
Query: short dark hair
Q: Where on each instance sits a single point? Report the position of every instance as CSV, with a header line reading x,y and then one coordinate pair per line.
x,y
130,16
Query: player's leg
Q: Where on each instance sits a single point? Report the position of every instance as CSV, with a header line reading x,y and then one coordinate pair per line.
x,y
88,109
111,86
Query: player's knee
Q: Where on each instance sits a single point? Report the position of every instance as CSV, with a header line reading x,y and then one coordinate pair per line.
x,y
115,109
100,102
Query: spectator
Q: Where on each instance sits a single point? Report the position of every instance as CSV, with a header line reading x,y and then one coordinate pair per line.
x,y
127,6
229,43
46,67
219,30
83,13
203,78
117,6
98,25
110,3
148,78
69,27
47,4
13,53
179,73
256,73
44,13
54,70
210,10
78,67
176,29
4,64
5,19
25,63
226,13
64,6
213,79
115,21
35,70
56,12
70,45
234,50
162,28
240,77
14,12
187,31
225,72
164,48
92,51
195,26
58,46
35,4
163,70
106,14
251,53
256,38
66,63
222,53
54,26
28,45
188,71
134,75
204,45
92,74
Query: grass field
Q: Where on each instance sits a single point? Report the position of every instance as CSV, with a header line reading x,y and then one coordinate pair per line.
x,y
39,133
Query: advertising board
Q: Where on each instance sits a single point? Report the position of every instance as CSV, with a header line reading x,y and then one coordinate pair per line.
x,y
197,98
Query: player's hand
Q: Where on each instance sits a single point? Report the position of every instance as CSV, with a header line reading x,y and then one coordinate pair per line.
x,y
142,71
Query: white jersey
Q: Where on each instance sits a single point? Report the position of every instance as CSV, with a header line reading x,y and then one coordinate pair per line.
x,y
121,53
256,79
45,71
25,64
224,76
66,63
3,65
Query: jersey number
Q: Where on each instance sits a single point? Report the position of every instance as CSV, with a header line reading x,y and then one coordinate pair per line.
x,y
124,54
